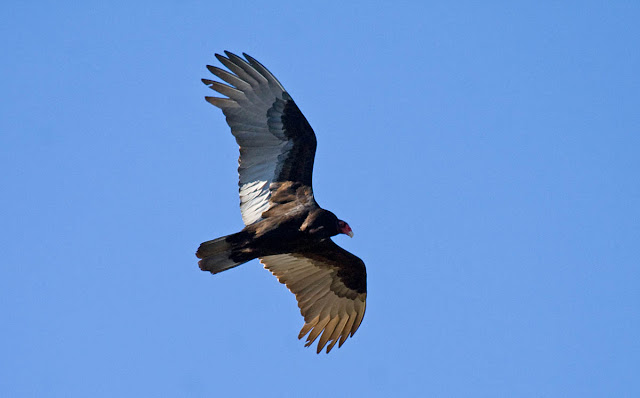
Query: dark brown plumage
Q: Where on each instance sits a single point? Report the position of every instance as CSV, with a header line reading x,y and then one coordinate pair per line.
x,y
285,227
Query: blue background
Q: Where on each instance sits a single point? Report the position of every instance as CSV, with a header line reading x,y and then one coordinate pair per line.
x,y
485,154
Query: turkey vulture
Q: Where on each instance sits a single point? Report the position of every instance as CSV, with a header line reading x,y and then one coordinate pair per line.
x,y
284,226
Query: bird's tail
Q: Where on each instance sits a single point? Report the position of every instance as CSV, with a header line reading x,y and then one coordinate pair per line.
x,y
220,254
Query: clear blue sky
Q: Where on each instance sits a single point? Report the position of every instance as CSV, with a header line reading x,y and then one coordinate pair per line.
x,y
486,155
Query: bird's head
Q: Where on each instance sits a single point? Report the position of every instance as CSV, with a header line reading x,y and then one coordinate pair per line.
x,y
344,228
323,224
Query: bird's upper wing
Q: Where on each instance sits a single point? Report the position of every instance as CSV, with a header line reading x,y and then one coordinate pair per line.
x,y
277,144
330,285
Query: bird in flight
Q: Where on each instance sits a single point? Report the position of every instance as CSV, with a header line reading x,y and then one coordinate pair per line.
x,y
284,225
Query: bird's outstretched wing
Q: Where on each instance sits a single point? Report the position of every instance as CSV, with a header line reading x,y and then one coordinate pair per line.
x,y
330,285
277,144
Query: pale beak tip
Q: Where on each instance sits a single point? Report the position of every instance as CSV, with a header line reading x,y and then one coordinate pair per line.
x,y
350,233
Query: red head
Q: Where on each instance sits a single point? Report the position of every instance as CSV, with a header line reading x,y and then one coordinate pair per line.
x,y
344,228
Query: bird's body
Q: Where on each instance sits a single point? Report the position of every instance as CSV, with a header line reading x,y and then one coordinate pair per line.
x,y
285,227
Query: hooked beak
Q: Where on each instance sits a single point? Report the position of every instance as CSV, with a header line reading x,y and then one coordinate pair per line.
x,y
344,228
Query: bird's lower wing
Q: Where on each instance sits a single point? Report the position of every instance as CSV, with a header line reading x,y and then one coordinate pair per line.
x,y
330,287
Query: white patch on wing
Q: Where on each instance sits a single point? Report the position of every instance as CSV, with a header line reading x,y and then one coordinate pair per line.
x,y
254,199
